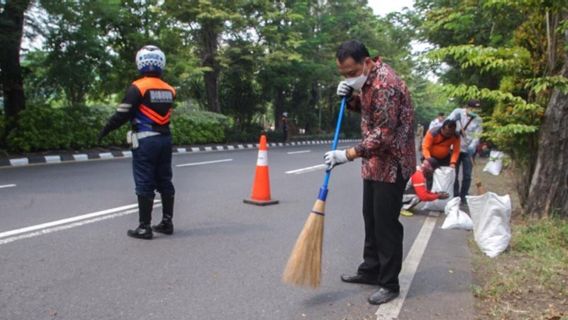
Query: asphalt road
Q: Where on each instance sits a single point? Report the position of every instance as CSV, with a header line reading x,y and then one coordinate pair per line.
x,y
225,259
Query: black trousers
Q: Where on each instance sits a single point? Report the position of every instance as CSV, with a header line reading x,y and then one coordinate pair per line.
x,y
152,166
382,253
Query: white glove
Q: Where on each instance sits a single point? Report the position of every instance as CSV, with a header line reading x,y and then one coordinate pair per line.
x,y
344,90
334,158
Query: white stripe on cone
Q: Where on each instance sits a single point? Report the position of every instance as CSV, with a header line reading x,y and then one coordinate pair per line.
x,y
262,158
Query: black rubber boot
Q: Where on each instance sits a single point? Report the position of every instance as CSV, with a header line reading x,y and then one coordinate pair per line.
x,y
166,226
144,231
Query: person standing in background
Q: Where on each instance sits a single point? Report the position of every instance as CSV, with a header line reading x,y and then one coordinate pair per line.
x,y
285,126
469,127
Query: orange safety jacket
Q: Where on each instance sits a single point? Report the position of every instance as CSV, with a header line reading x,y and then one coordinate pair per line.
x,y
155,103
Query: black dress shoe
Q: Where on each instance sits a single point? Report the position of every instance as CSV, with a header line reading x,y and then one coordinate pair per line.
x,y
359,278
142,232
383,296
165,227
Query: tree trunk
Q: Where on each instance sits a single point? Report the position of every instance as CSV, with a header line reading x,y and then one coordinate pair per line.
x,y
11,28
548,193
209,38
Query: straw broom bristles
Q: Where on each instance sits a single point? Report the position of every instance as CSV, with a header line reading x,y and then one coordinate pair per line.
x,y
304,265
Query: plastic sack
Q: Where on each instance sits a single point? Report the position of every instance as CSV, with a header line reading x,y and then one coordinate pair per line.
x,y
444,178
455,218
495,163
491,215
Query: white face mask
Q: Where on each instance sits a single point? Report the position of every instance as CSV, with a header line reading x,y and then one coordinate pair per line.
x,y
357,82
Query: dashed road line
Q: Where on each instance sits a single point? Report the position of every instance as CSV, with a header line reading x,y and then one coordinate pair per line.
x,y
203,163
307,169
298,152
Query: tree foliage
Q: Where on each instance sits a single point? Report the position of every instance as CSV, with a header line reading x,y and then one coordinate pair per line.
x,y
250,60
509,54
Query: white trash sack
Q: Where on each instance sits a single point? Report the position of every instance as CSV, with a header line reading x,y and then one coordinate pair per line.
x,y
444,178
495,163
491,215
455,218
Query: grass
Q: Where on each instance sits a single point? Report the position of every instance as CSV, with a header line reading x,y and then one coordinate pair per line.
x,y
530,279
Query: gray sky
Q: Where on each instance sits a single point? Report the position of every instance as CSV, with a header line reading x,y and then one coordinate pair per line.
x,y
382,7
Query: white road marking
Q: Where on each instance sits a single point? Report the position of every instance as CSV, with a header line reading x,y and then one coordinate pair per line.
x,y
80,157
19,162
392,309
68,223
202,163
307,169
7,186
302,151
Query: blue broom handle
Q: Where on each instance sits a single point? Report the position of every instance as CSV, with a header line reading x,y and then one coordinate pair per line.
x,y
323,190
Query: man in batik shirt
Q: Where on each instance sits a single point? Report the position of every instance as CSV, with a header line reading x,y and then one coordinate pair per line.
x,y
388,160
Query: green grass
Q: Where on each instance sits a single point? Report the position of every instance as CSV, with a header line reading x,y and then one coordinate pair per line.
x,y
530,279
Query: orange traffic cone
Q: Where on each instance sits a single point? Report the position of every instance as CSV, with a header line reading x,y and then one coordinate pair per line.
x,y
261,187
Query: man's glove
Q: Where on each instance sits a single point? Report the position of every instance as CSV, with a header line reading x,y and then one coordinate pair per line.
x,y
334,158
344,90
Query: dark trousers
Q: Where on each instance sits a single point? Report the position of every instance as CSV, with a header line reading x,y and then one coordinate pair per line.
x,y
152,166
382,253
465,161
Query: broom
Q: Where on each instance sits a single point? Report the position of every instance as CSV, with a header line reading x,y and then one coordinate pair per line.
x,y
304,265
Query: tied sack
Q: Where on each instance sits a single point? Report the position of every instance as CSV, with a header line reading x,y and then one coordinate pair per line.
x,y
443,181
491,215
455,218
495,163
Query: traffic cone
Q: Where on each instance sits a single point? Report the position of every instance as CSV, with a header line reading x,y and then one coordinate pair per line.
x,y
261,187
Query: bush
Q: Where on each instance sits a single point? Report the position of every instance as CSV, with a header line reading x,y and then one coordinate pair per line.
x,y
198,127
250,133
72,128
46,128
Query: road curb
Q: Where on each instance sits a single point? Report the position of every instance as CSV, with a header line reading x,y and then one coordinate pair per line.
x,y
119,154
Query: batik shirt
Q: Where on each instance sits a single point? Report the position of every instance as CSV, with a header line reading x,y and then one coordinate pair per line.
x,y
387,125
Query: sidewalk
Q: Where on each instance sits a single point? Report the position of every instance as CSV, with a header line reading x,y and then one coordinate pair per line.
x,y
98,154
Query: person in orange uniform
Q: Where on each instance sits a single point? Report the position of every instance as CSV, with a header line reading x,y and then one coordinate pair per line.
x,y
419,193
443,144
148,106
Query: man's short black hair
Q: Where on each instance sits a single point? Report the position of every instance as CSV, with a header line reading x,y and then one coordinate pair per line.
x,y
473,103
440,114
353,49
433,163
449,123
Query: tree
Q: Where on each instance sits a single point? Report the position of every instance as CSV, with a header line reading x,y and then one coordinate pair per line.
x,y
240,94
548,193
11,29
207,20
524,57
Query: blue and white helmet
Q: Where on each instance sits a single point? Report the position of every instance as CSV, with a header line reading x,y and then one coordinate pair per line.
x,y
150,59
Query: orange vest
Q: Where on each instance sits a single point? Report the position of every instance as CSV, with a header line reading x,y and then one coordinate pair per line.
x,y
157,100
